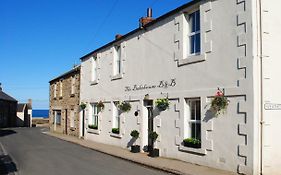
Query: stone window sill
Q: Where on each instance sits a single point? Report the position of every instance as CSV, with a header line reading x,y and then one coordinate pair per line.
x,y
192,150
93,131
116,77
60,97
116,135
191,59
72,95
94,82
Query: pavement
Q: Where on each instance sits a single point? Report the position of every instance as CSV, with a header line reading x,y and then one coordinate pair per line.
x,y
164,164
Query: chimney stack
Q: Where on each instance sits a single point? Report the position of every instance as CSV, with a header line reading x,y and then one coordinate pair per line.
x,y
30,102
117,36
145,20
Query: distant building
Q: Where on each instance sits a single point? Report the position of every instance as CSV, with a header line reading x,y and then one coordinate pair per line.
x,y
64,103
24,114
8,110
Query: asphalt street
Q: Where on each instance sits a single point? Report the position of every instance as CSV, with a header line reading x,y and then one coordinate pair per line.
x,y
34,153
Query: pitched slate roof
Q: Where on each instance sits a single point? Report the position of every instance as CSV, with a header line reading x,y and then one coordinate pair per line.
x,y
20,107
76,69
6,97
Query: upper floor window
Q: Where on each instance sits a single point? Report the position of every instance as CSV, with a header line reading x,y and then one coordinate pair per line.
x,y
94,69
194,33
55,90
117,67
61,88
72,84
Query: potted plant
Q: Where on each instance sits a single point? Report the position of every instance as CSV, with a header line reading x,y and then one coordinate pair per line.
x,y
135,135
162,103
83,106
154,152
219,103
192,142
100,105
115,130
93,126
124,106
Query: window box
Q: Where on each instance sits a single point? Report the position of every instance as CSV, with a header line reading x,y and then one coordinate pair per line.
x,y
115,130
191,145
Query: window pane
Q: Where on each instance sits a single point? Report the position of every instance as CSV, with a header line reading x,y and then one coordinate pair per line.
x,y
197,43
198,131
198,110
192,22
197,20
192,44
192,110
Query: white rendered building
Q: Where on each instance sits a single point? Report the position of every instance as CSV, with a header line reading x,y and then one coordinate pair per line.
x,y
185,55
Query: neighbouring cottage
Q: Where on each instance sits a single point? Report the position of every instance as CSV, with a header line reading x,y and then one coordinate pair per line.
x,y
24,114
179,61
64,103
8,110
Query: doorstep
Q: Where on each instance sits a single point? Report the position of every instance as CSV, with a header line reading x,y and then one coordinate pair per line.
x,y
164,164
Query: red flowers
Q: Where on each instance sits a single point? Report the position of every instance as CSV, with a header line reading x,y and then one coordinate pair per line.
x,y
219,103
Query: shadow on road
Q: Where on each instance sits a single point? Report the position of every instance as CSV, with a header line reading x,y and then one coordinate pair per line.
x,y
5,132
7,166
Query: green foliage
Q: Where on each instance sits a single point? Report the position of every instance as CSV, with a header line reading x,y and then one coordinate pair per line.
x,y
124,106
162,103
135,134
93,126
192,141
153,136
83,105
115,130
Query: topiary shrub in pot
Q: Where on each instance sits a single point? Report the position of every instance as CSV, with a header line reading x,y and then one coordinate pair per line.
x,y
192,143
135,135
154,152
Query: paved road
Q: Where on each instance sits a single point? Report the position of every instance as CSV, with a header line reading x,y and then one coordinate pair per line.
x,y
35,153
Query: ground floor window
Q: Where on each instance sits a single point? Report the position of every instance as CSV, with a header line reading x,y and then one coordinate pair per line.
x,y
193,117
57,117
116,118
72,118
94,120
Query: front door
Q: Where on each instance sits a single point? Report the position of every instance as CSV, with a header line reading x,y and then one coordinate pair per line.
x,y
150,127
65,129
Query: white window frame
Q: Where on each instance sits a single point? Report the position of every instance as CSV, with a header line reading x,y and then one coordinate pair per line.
x,y
55,90
190,121
115,115
56,121
94,69
117,60
72,118
95,114
61,86
73,80
190,33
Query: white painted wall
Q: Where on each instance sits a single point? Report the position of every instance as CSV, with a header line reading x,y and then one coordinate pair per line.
x,y
156,54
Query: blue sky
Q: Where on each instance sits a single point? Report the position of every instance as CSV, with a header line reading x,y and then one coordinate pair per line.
x,y
41,39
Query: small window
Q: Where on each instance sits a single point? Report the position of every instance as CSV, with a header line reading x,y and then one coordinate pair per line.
x,y
95,115
61,88
194,33
117,60
72,118
57,117
193,116
94,69
55,90
116,116
73,85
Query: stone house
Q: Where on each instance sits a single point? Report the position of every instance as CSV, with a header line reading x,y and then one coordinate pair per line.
x,y
24,114
64,103
184,56
8,110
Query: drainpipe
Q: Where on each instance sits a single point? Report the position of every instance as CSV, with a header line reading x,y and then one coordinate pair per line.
x,y
261,82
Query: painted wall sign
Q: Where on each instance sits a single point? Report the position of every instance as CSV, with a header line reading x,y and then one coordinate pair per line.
x,y
162,84
272,106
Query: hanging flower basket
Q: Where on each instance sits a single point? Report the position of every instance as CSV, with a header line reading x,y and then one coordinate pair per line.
x,y
219,103
83,106
162,104
124,106
100,105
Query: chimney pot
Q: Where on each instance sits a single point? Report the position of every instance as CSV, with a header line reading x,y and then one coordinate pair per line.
x,y
149,12
118,36
145,20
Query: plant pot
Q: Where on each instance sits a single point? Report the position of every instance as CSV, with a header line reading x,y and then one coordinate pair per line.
x,y
154,153
191,145
135,149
